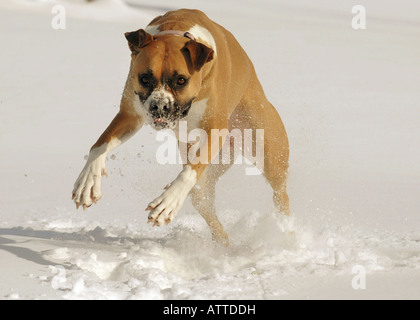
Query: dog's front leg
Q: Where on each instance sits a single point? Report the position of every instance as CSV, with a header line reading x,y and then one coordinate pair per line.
x,y
87,189
164,208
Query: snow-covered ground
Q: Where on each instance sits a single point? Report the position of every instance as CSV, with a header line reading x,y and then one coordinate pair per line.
x,y
350,101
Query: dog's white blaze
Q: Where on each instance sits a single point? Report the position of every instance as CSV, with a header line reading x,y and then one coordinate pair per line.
x,y
162,95
153,30
204,35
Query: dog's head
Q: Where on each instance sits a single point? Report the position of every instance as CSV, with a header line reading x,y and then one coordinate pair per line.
x,y
167,74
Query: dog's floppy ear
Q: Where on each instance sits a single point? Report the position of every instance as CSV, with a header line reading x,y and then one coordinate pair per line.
x,y
197,54
138,39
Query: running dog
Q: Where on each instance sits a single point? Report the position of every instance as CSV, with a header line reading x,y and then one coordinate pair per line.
x,y
186,67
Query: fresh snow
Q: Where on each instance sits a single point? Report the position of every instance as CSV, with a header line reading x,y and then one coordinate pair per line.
x,y
350,103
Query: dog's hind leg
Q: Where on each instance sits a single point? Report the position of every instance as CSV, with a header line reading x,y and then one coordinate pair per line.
x,y
276,162
259,113
277,181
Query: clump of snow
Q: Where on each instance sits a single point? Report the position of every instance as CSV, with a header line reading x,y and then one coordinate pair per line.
x,y
13,296
263,262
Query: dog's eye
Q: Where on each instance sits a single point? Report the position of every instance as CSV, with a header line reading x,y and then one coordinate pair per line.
x,y
181,81
145,80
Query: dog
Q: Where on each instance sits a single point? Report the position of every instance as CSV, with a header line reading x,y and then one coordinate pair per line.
x,y
186,67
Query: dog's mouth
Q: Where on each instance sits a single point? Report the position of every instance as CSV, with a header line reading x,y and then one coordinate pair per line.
x,y
161,123
168,119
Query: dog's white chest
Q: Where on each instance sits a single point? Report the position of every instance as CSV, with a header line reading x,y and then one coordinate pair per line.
x,y
196,114
194,117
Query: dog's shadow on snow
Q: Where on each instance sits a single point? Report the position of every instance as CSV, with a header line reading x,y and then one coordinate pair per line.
x,y
21,252
25,243
18,248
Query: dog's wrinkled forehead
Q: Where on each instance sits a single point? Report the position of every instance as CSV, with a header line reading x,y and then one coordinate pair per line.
x,y
170,50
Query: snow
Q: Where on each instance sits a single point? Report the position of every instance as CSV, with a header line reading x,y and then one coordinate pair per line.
x,y
350,103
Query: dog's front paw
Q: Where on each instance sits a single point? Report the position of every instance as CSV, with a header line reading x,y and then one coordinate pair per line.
x,y
164,208
87,189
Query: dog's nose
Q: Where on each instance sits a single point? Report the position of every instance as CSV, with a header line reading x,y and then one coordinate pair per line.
x,y
159,107
154,107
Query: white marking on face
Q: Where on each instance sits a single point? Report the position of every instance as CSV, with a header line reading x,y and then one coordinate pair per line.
x,y
201,33
161,97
